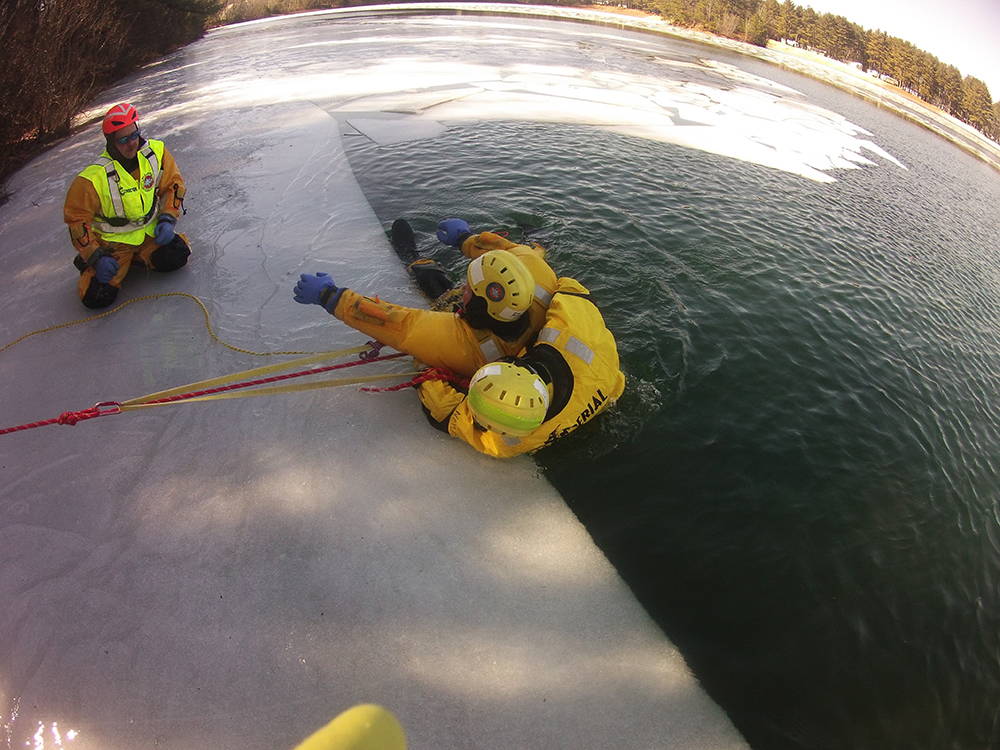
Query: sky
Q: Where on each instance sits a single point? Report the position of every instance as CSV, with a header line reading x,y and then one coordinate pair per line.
x,y
963,33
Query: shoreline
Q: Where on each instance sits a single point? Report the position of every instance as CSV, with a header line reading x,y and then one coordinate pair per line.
x,y
829,71
803,62
834,73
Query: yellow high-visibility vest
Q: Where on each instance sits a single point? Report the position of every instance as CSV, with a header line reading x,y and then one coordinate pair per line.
x,y
128,205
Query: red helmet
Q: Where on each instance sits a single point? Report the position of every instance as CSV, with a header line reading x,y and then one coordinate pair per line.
x,y
118,117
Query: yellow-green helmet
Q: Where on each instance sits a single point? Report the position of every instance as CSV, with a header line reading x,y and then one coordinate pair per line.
x,y
508,399
503,282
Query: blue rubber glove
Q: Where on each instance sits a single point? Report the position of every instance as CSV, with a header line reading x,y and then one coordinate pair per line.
x,y
105,268
450,231
317,289
164,229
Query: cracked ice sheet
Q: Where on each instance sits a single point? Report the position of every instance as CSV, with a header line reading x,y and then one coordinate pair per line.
x,y
232,574
746,124
551,72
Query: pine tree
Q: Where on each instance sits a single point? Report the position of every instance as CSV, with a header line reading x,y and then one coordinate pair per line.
x,y
877,47
977,106
788,21
926,84
756,30
950,94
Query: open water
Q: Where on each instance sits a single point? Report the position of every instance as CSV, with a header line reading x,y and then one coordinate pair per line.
x,y
801,481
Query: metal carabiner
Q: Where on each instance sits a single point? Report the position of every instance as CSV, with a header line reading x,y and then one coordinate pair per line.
x,y
115,408
370,354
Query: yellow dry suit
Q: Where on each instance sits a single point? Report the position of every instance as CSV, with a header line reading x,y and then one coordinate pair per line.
x,y
578,353
445,339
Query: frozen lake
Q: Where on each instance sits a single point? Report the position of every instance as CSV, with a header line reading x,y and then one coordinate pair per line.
x,y
234,574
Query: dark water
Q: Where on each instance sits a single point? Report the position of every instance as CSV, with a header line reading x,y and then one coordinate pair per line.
x,y
801,482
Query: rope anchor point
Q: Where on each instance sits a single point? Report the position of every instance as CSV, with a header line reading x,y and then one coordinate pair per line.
x,y
100,409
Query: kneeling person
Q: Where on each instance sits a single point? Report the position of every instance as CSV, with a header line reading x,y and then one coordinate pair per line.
x,y
123,208
567,377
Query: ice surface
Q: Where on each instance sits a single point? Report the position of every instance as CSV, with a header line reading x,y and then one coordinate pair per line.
x,y
515,68
395,130
232,574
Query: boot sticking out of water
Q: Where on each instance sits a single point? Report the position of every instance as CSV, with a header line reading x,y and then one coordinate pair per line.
x,y
401,236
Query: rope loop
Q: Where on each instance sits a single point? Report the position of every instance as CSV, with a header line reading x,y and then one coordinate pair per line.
x,y
72,417
372,353
144,298
433,373
102,409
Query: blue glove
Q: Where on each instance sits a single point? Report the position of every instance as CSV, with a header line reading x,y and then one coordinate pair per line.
x,y
105,268
317,289
164,229
450,231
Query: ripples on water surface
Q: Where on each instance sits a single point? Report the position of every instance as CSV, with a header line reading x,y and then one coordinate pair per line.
x,y
800,483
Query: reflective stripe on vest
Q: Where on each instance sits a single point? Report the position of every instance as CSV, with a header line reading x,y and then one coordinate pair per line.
x,y
542,296
573,345
489,349
120,223
548,335
580,349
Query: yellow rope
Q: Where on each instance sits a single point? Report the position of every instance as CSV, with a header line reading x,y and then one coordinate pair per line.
x,y
204,385
204,310
139,403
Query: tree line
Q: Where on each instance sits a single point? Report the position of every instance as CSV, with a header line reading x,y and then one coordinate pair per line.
x,y
60,53
756,21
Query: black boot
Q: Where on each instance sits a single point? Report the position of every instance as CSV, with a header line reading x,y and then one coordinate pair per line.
x,y
171,256
401,236
99,295
80,263
431,277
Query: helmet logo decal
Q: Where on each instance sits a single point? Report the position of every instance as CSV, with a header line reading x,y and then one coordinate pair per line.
x,y
494,291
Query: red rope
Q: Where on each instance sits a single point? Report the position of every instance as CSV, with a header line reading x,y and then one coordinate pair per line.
x,y
72,417
102,410
431,374
272,379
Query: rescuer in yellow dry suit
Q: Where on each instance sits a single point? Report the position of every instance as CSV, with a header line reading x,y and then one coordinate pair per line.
x,y
568,376
123,208
507,290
